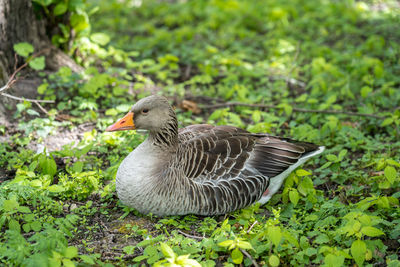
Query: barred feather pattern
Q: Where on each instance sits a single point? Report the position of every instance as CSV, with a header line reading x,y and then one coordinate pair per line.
x,y
203,169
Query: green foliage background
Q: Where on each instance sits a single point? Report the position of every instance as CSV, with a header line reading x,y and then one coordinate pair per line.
x,y
314,55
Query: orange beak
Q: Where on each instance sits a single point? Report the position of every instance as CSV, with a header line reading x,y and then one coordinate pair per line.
x,y
126,123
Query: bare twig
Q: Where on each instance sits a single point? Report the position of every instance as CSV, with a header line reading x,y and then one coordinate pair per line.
x,y
12,80
27,99
191,236
41,108
234,104
251,227
255,264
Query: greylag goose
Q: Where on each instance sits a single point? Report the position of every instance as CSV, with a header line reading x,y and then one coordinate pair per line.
x,y
200,169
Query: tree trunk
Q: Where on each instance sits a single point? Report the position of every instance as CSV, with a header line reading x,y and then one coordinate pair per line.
x,y
19,23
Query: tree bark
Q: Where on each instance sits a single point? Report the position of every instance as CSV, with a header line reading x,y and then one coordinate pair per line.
x,y
19,23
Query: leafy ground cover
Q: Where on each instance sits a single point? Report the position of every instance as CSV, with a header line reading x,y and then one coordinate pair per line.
x,y
296,59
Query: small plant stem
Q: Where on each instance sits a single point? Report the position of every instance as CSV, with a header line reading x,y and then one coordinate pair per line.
x,y
255,264
251,227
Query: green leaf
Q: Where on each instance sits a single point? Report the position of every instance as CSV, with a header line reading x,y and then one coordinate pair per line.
x,y
301,172
37,63
273,260
342,153
36,226
42,88
23,49
365,91
47,165
100,38
331,157
225,243
86,259
55,188
79,22
68,263
358,250
14,225
390,174
71,252
10,204
274,234
60,9
371,231
26,227
237,256
392,162
78,166
167,251
306,186
332,260
294,196
387,122
244,245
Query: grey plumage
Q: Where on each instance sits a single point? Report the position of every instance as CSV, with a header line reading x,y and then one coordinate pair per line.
x,y
202,169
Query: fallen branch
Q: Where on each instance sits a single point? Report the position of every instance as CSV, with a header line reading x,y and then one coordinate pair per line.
x,y
255,264
190,236
251,227
12,80
234,104
27,99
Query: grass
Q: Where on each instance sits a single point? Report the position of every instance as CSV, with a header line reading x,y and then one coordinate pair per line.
x,y
59,208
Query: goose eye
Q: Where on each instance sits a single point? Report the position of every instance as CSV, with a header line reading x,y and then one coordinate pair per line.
x,y
145,111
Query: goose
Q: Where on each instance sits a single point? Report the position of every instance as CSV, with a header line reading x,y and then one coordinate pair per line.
x,y
200,169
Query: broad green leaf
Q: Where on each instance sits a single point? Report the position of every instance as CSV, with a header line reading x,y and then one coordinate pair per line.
x,y
60,9
10,204
332,260
387,122
294,196
301,172
342,153
358,249
244,245
273,260
38,63
68,263
55,188
306,186
36,226
79,22
42,88
100,38
78,166
47,165
167,251
86,259
26,227
274,234
225,243
331,157
365,91
71,252
237,256
371,231
184,260
390,174
23,49
256,116
14,225
392,162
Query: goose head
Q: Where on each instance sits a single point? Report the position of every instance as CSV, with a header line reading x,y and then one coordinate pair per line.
x,y
152,113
